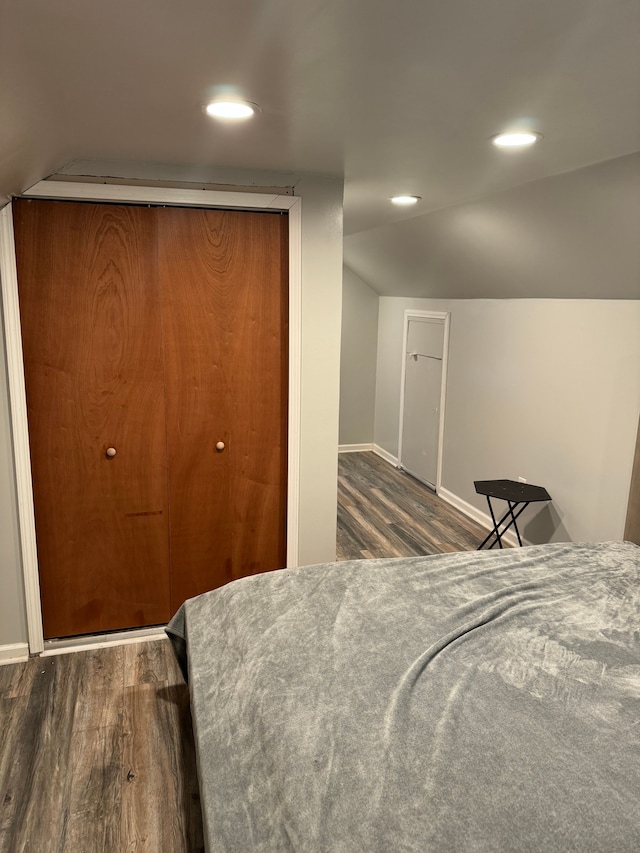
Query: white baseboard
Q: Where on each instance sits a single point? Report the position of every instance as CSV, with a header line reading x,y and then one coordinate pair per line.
x,y
14,653
384,454
482,518
363,448
19,652
103,641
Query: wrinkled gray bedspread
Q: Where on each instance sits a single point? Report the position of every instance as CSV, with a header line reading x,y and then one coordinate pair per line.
x,y
461,702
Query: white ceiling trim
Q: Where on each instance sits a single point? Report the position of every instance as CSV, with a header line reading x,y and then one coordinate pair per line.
x,y
61,190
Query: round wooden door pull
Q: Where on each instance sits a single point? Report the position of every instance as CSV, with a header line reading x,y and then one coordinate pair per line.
x,y
111,452
220,446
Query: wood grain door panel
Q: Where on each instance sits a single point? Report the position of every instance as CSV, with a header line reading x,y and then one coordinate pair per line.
x,y
91,326
159,332
224,283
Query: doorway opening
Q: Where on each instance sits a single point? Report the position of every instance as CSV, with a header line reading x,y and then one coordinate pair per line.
x,y
422,395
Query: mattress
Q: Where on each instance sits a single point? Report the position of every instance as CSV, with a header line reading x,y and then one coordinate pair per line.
x,y
461,702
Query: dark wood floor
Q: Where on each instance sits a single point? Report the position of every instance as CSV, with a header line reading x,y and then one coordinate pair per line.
x,y
383,512
97,755
96,747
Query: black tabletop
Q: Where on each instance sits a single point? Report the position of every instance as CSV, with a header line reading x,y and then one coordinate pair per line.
x,y
510,490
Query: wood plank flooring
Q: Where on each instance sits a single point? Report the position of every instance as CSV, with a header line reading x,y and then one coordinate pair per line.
x,y
96,747
97,754
383,512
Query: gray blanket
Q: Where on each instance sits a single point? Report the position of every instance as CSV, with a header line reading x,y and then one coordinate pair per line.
x,y
462,702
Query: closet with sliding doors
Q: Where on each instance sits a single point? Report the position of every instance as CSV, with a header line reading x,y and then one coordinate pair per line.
x,y
155,353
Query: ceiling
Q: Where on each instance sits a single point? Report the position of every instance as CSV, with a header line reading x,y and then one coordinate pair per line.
x,y
396,97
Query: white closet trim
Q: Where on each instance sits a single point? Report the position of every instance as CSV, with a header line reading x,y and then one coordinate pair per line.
x,y
19,429
137,195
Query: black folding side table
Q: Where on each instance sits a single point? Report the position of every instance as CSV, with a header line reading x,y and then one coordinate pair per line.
x,y
518,497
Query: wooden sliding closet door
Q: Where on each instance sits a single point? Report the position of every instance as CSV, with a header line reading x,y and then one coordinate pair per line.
x,y
155,349
224,281
92,342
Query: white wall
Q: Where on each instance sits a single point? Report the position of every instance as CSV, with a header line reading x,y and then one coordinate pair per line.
x,y
358,360
13,621
321,328
544,389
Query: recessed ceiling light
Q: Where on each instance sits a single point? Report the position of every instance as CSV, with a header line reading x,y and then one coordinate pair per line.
x,y
231,109
518,139
405,199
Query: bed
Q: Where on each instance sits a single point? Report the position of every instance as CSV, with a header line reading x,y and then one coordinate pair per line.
x,y
461,702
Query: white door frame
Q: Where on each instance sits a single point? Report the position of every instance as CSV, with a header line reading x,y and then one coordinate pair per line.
x,y
415,314
76,191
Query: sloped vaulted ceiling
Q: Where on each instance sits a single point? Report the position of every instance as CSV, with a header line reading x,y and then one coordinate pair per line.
x,y
398,97
575,235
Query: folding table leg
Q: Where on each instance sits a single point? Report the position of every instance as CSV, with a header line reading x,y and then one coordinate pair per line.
x,y
512,505
495,532
513,520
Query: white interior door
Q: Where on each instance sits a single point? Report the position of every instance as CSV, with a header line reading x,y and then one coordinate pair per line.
x,y
421,410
